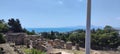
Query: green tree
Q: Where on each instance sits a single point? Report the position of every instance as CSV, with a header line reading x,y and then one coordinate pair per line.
x,y
78,38
52,35
14,25
2,39
3,26
45,35
108,29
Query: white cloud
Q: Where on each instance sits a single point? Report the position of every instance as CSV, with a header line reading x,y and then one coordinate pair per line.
x,y
60,2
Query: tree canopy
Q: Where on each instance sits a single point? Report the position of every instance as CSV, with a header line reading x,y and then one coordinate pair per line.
x,y
13,25
3,26
107,38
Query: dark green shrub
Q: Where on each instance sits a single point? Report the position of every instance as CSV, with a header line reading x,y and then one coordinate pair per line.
x,y
34,51
2,39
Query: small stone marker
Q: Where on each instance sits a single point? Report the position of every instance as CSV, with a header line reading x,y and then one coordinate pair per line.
x,y
49,48
77,47
62,43
69,45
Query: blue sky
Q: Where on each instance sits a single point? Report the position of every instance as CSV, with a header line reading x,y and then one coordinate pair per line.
x,y
60,13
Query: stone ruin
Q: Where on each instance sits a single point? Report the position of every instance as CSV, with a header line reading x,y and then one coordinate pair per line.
x,y
69,45
2,50
17,38
62,43
39,45
49,44
21,38
77,47
29,44
58,43
38,42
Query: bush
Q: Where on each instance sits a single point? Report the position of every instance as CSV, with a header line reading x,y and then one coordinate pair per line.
x,y
34,51
2,39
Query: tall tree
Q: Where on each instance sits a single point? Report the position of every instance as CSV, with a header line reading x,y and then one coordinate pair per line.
x,y
3,26
14,25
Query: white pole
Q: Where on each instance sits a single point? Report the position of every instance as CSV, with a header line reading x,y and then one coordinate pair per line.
x,y
88,26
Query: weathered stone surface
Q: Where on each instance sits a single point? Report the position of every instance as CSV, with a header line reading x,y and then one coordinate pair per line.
x,y
77,47
21,38
38,46
7,49
57,43
33,37
49,48
50,42
17,38
62,43
69,45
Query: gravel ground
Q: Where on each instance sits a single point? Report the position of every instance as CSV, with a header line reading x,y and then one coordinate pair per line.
x,y
8,49
82,51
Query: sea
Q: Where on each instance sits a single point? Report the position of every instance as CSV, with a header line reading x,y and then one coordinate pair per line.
x,y
61,29
38,30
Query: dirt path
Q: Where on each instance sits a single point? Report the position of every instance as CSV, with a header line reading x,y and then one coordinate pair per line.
x,y
62,51
82,51
8,49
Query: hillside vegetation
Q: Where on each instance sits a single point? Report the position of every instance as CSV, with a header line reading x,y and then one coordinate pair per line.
x,y
101,39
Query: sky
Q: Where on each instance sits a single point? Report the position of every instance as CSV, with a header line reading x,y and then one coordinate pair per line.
x,y
60,13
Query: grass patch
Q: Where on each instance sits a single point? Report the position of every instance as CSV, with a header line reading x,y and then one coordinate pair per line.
x,y
78,52
32,51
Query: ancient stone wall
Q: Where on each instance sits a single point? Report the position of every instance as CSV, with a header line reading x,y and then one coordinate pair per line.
x,y
17,38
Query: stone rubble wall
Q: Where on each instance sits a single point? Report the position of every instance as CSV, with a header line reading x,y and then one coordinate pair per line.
x,y
38,42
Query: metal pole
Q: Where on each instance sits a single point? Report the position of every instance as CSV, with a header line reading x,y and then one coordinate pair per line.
x,y
88,26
